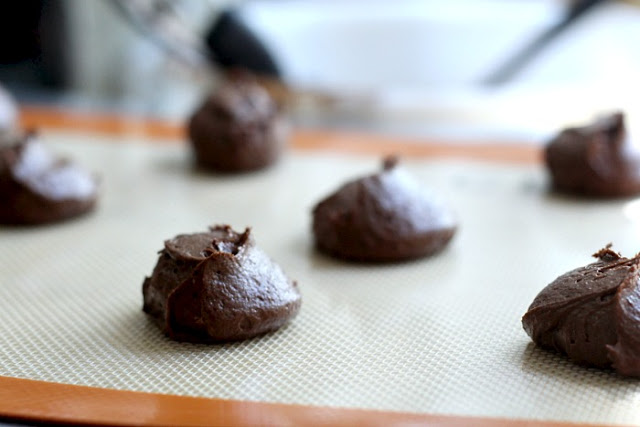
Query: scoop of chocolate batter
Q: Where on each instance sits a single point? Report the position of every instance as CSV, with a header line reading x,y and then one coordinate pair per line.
x,y
595,160
37,187
238,128
382,217
218,286
592,314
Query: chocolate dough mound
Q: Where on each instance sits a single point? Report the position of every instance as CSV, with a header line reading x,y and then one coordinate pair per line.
x,y
218,286
238,128
382,217
592,314
595,160
37,187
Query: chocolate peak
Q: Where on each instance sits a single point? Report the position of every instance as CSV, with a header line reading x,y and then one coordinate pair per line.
x,y
390,162
231,243
606,254
611,126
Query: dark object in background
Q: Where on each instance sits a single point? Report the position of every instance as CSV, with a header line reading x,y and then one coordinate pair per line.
x,y
36,187
595,160
238,128
592,314
233,45
228,43
383,217
34,43
516,63
218,286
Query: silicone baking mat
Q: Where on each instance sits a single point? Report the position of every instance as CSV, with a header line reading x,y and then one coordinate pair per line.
x,y
440,335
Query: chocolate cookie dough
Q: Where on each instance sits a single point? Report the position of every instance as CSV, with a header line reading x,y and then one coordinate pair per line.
x,y
592,314
382,217
238,128
218,286
37,187
595,160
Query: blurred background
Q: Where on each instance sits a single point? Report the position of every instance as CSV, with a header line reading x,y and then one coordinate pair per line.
x,y
460,69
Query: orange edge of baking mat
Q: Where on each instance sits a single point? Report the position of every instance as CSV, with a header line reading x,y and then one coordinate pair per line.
x,y
30,400
305,140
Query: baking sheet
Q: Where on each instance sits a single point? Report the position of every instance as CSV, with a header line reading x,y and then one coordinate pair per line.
x,y
439,335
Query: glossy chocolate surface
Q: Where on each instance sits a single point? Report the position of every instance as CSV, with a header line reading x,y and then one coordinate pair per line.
x,y
238,128
38,187
595,160
218,286
592,314
382,217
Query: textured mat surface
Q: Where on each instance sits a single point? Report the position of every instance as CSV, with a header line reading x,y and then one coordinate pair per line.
x,y
439,335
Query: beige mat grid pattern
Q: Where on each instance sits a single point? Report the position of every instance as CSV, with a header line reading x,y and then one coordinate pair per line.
x,y
439,335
